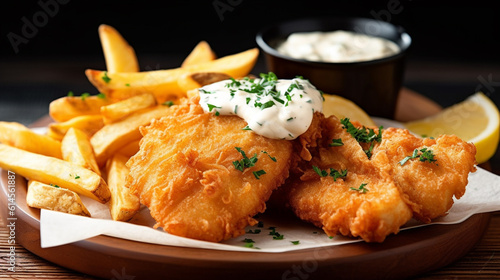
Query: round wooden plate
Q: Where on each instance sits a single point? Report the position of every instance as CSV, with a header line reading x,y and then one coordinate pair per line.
x,y
409,253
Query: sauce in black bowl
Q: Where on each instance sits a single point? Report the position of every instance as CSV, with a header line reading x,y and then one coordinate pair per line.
x,y
373,85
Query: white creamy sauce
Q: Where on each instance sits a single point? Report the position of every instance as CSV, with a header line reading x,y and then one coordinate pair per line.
x,y
337,46
278,109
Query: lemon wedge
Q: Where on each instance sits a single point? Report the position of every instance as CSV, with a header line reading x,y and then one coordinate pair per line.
x,y
345,108
476,120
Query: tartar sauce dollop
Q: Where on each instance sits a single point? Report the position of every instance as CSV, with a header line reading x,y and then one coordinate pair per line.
x,y
337,46
272,107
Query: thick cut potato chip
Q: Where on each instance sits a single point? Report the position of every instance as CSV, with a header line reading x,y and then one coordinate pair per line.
x,y
68,107
88,124
113,137
50,170
19,136
121,109
163,83
200,54
55,198
123,205
119,55
76,148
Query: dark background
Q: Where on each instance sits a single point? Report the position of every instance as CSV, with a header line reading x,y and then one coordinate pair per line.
x,y
445,30
455,49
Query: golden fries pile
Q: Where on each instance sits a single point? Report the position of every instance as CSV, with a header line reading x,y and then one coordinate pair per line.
x,y
85,149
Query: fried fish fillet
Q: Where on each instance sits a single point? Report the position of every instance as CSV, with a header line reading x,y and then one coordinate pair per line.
x,y
428,186
364,203
371,189
202,176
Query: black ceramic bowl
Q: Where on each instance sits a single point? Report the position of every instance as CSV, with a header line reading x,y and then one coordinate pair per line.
x,y
374,85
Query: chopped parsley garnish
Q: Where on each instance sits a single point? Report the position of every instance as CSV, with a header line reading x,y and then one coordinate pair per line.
x,y
105,77
245,162
211,107
248,242
127,84
320,172
336,142
272,158
425,155
295,242
322,93
276,235
84,95
205,91
259,173
168,103
256,231
55,186
233,83
260,224
360,189
363,135
263,106
335,174
77,177
266,86
279,99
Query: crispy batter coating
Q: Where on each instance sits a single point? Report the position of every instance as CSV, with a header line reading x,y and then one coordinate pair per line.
x,y
335,204
184,173
429,187
394,192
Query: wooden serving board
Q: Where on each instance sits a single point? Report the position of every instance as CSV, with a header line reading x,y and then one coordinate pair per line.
x,y
409,253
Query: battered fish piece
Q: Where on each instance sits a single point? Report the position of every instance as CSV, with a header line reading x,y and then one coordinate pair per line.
x,y
202,176
361,200
429,185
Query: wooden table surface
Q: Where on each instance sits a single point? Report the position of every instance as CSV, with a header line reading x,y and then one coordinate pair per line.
x,y
482,262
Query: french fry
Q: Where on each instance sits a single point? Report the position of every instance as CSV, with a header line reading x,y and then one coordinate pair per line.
x,y
163,83
55,198
50,170
119,55
113,137
200,54
19,136
121,109
68,107
89,124
76,148
123,205
190,81
130,149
